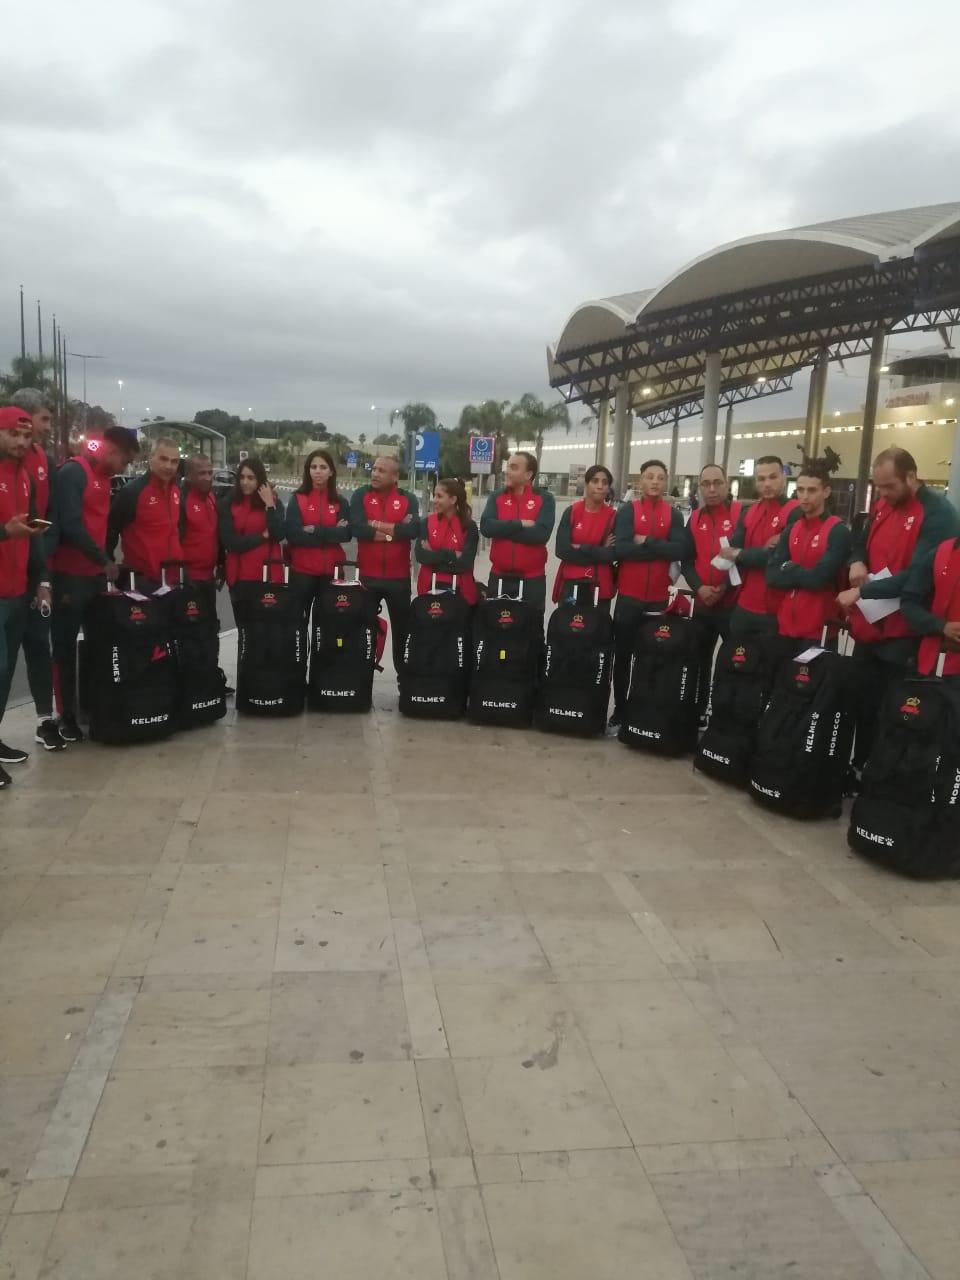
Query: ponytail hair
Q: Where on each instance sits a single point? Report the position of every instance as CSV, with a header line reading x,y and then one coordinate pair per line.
x,y
457,490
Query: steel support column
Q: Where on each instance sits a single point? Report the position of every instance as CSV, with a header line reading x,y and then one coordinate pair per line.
x,y
621,442
711,407
727,432
815,400
953,488
603,426
674,446
869,418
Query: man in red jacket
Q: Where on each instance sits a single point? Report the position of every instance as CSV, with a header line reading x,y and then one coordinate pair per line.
x,y
931,605
20,557
385,520
199,530
907,523
145,517
80,563
36,636
519,520
649,536
709,531
809,561
757,533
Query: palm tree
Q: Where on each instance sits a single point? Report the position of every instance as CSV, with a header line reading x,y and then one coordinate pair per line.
x,y
27,371
531,417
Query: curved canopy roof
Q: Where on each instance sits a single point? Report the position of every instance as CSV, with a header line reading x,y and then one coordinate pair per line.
x,y
778,278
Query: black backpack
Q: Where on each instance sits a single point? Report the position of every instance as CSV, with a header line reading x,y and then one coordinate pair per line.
x,y
805,737
195,634
574,692
130,670
272,647
507,650
661,709
344,647
907,815
436,657
742,679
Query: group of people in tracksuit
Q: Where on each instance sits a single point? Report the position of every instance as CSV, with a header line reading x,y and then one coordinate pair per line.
x,y
777,566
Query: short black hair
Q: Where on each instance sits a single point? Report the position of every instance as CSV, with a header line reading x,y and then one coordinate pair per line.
x,y
769,458
653,462
123,438
595,470
721,469
532,464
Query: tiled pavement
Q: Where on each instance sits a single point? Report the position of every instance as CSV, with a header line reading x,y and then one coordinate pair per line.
x,y
361,997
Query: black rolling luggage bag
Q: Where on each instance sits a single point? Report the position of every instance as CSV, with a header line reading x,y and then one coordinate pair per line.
x,y
907,815
507,651
130,673
345,649
195,634
805,737
741,686
661,710
574,693
436,656
272,647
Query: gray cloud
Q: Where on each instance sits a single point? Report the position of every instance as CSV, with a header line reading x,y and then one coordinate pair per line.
x,y
312,208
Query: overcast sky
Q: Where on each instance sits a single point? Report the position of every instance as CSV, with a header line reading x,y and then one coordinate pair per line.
x,y
309,208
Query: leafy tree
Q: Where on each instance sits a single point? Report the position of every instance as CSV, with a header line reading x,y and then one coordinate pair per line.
x,y
417,416
362,439
27,371
383,438
531,418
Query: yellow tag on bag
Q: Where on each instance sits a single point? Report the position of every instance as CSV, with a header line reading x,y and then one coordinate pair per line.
x,y
339,642
503,655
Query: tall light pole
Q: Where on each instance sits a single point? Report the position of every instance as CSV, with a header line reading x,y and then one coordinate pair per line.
x,y
79,355
120,385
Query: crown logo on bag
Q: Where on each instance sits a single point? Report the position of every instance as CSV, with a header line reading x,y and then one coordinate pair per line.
x,y
911,707
803,675
740,654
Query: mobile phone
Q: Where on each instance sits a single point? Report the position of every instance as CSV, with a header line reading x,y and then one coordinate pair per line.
x,y
36,523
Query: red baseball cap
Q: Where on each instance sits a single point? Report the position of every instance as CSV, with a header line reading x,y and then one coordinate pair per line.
x,y
11,418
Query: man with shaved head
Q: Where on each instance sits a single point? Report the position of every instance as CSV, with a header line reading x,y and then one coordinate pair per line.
x,y
385,520
199,535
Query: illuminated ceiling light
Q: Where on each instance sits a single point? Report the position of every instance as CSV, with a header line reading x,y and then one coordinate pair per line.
x,y
884,368
647,391
760,379
949,400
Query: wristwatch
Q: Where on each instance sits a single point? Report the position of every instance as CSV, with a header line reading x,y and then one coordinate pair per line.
x,y
388,537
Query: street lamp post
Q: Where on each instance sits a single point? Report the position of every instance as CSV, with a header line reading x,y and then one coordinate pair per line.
x,y
79,355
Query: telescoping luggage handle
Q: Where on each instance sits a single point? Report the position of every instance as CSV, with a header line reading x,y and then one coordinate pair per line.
x,y
340,580
113,589
268,565
501,594
181,568
440,591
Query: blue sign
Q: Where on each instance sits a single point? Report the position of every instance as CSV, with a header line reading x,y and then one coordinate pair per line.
x,y
481,450
427,455
351,459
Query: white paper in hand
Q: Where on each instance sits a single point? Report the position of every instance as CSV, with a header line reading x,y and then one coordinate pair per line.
x,y
808,655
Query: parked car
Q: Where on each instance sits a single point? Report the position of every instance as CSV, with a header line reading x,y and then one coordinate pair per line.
x,y
223,482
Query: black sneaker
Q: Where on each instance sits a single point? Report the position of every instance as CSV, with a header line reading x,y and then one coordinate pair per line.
x,y
5,779
704,724
10,755
70,731
48,735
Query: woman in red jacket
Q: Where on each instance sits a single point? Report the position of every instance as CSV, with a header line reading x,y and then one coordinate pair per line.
x,y
251,526
585,541
317,526
448,542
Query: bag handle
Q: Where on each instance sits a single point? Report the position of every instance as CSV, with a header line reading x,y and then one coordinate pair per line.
x,y
433,585
268,565
179,565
